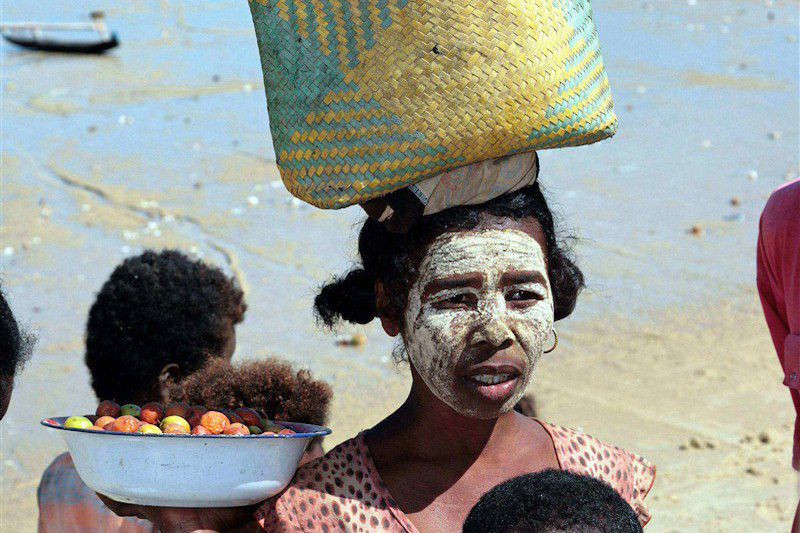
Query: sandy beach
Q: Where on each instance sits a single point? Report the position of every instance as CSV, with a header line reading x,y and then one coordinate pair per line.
x,y
165,143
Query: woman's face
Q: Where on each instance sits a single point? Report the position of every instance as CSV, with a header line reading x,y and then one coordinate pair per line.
x,y
478,317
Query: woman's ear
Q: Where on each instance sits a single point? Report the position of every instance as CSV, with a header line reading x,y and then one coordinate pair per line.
x,y
171,373
388,319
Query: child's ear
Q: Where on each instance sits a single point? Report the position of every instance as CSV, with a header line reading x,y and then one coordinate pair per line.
x,y
389,320
171,373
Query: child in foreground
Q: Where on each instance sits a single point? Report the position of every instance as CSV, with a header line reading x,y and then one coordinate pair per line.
x,y
552,501
270,386
158,318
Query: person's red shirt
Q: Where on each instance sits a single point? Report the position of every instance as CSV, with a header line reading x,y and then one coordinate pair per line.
x,y
778,279
67,505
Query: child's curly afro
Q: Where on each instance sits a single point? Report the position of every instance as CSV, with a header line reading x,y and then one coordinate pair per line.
x,y
269,385
156,309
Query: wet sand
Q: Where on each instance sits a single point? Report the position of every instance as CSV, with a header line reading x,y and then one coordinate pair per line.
x,y
165,143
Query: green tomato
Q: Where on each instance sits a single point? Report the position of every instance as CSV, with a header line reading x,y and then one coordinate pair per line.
x,y
78,422
275,428
174,419
254,430
131,409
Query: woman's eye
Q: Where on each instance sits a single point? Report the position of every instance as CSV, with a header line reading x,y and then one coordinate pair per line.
x,y
522,296
456,301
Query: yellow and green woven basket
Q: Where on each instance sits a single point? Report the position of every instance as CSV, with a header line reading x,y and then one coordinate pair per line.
x,y
369,96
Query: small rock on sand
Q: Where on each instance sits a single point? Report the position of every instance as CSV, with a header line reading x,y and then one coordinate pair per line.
x,y
735,201
753,471
697,230
356,340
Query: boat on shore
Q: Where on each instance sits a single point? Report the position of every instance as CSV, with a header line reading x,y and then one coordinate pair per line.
x,y
61,37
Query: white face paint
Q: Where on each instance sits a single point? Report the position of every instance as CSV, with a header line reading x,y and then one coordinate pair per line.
x,y
482,300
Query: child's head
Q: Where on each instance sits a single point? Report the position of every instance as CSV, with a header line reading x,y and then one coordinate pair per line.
x,y
552,501
15,348
159,317
269,385
473,291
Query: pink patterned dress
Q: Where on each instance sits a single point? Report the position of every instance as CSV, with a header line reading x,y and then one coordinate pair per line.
x,y
343,490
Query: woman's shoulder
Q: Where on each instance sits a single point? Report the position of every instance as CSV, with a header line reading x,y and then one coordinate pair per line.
x,y
339,470
631,475
339,487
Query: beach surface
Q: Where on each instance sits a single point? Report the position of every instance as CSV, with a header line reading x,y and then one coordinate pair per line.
x,y
165,143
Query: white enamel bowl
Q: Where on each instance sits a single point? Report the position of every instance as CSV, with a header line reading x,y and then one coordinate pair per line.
x,y
186,470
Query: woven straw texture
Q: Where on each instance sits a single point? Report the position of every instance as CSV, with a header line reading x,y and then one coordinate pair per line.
x,y
368,96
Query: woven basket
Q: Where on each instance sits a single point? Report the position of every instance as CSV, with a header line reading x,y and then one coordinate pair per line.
x,y
368,96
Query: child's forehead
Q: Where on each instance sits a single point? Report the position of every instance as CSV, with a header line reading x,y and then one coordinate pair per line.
x,y
482,251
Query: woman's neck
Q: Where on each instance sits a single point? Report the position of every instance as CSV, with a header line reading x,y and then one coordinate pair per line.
x,y
427,428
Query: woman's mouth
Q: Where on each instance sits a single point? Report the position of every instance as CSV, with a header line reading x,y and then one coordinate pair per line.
x,y
492,384
490,379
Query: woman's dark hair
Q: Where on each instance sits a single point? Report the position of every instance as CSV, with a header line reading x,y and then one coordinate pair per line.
x,y
393,258
157,308
552,500
15,344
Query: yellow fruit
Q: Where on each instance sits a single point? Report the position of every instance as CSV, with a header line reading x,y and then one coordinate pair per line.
x,y
175,420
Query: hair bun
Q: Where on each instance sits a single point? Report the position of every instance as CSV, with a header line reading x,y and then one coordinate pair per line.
x,y
351,298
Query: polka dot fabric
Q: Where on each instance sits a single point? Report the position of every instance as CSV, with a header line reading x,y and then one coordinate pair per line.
x,y
343,492
630,475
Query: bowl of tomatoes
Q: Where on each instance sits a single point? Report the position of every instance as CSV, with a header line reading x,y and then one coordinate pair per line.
x,y
184,456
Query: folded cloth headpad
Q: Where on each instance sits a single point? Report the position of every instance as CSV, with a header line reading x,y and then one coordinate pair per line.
x,y
470,185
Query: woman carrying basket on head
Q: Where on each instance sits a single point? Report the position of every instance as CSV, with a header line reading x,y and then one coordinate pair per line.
x,y
409,108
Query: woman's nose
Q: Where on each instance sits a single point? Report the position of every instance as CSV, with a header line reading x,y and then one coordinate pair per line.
x,y
495,332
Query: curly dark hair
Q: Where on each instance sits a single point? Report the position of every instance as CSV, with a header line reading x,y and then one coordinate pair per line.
x,y
552,500
269,385
156,309
393,258
15,344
